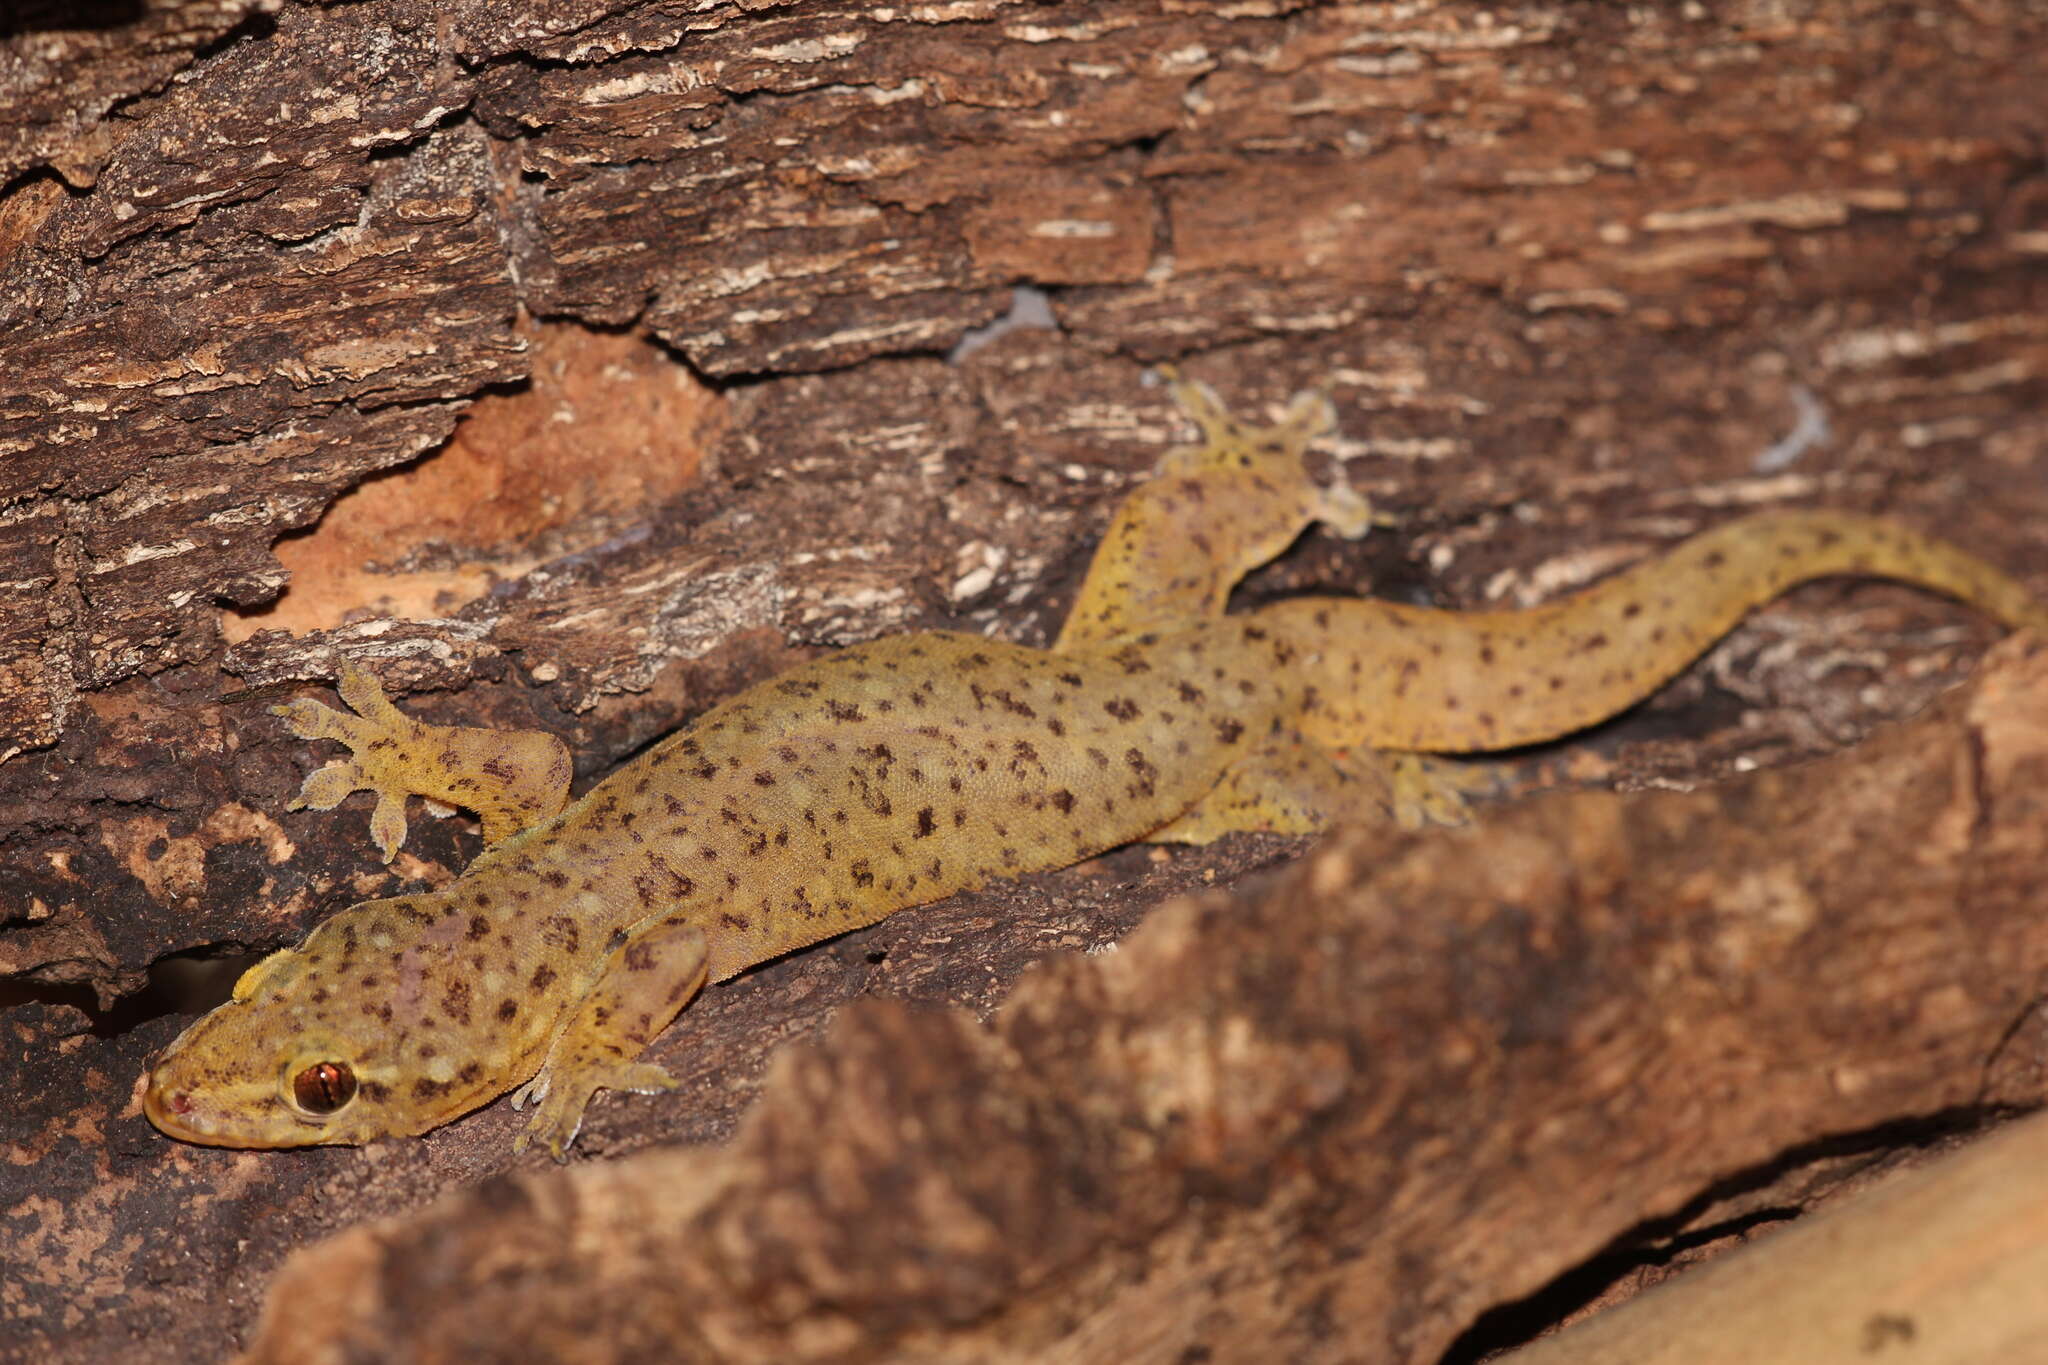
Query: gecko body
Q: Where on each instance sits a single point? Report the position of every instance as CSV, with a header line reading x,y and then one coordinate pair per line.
x,y
907,769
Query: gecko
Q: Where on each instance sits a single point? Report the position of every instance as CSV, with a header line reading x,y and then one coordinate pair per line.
x,y
900,771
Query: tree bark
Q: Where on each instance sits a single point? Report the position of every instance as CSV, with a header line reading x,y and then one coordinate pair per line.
x,y
1947,1261
1336,1115
575,365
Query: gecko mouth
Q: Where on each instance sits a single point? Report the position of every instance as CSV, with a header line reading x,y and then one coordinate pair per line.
x,y
168,1109
176,1114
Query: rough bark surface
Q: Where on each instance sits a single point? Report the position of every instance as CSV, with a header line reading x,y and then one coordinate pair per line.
x,y
1333,1116
385,329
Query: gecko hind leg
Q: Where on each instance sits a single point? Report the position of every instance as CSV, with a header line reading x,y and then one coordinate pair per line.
x,y
1230,444
1285,786
1423,790
641,986
1292,786
511,778
1213,512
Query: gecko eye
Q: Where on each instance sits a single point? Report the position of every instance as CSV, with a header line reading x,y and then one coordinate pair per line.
x,y
324,1087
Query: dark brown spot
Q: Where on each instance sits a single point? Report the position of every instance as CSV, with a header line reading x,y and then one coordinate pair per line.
x,y
560,933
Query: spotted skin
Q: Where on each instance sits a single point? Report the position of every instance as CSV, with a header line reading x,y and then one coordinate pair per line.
x,y
907,769
1393,676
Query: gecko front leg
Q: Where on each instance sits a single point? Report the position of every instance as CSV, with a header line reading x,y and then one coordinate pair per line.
x,y
642,984
510,778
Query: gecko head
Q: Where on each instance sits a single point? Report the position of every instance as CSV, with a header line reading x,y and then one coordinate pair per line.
x,y
314,1047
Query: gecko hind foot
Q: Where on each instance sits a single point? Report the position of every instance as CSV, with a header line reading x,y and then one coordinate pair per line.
x,y
1424,790
1229,442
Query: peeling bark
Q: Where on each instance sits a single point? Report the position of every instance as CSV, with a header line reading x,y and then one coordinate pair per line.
x,y
576,365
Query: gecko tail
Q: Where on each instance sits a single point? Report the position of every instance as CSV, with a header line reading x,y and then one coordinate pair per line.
x,y
1394,676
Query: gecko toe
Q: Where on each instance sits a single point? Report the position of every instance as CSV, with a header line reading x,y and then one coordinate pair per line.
x,y
309,719
387,823
325,788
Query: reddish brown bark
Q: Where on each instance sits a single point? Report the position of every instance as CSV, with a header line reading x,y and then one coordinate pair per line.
x,y
1567,267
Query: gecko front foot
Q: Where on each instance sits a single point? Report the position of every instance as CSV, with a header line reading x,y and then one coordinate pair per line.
x,y
511,778
558,1108
382,741
653,972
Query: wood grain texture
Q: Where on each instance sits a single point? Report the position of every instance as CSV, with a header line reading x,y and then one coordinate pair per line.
x,y
1946,1262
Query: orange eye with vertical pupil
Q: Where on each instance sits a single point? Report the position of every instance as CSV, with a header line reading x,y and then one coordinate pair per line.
x,y
324,1087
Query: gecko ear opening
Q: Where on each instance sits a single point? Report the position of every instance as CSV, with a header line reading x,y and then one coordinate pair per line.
x,y
323,1088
